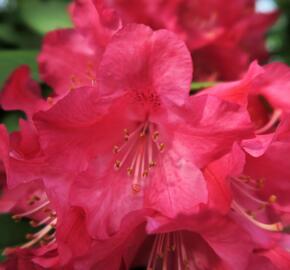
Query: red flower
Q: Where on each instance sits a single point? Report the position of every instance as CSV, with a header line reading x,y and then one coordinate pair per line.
x,y
255,188
218,33
141,110
70,57
262,91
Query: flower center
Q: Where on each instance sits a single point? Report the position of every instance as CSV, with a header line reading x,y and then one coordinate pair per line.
x,y
168,252
139,152
248,203
46,219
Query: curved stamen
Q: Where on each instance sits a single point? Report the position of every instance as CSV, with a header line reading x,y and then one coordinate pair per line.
x,y
32,211
37,237
248,189
249,195
274,227
272,122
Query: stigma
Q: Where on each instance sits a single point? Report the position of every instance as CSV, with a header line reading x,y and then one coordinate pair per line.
x,y
138,154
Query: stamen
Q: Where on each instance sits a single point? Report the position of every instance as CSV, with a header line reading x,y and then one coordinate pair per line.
x,y
46,234
274,227
138,153
272,122
168,250
35,238
248,187
32,211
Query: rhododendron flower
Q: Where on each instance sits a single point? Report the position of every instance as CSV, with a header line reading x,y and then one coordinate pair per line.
x,y
138,137
30,201
218,33
70,57
262,90
256,188
188,242
22,157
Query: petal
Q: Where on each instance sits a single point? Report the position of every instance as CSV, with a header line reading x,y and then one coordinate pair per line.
x,y
217,176
275,85
69,126
231,243
209,127
238,91
22,93
176,186
107,200
139,60
68,60
94,19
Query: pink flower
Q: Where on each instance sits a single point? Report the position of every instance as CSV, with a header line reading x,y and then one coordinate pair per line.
x,y
138,138
30,201
70,57
21,93
255,188
188,242
21,153
218,33
262,91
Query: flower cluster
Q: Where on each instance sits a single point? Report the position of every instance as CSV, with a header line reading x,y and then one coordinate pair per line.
x,y
120,167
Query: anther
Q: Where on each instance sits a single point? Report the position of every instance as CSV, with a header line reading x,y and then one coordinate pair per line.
x,y
161,147
272,199
117,164
116,149
49,100
16,218
130,171
29,236
155,135
33,223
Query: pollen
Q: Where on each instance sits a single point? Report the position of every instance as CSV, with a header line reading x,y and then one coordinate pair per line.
x,y
272,199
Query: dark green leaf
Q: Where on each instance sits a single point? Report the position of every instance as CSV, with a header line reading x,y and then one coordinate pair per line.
x,y
9,60
12,233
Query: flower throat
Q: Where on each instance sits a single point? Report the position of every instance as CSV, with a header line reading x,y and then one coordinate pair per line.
x,y
139,153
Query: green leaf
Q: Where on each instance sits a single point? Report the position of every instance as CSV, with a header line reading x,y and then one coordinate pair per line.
x,y
9,60
196,86
11,120
44,16
13,233
8,33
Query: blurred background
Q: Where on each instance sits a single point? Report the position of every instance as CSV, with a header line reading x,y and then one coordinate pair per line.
x,y
23,23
